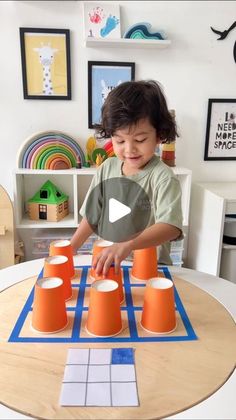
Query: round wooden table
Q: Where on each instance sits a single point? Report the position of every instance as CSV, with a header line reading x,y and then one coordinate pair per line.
x,y
171,376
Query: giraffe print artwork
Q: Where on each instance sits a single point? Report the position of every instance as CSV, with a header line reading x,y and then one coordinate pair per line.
x,y
46,57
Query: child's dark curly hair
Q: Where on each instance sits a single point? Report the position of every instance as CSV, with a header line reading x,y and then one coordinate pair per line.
x,y
126,104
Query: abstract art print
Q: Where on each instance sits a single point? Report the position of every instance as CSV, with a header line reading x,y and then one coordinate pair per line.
x,y
101,20
104,76
45,56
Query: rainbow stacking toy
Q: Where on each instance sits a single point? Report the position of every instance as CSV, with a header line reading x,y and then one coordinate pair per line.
x,y
50,150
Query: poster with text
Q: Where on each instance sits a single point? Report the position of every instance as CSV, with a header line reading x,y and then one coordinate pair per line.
x,y
221,130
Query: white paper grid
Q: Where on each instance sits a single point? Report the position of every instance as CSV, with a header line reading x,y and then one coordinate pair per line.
x,y
91,379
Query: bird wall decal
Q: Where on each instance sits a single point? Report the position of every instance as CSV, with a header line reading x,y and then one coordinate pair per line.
x,y
223,35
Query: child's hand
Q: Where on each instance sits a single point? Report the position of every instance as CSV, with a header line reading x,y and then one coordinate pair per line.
x,y
74,250
113,254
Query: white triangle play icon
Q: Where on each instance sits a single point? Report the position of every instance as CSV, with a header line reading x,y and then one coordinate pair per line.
x,y
117,210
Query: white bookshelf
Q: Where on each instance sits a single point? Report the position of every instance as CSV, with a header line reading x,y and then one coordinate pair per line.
x,y
74,183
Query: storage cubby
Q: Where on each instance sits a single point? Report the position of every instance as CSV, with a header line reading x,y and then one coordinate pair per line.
x,y
29,181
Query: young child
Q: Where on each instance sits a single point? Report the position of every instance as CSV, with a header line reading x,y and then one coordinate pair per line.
x,y
136,118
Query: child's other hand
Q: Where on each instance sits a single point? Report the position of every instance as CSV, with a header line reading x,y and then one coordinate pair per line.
x,y
113,254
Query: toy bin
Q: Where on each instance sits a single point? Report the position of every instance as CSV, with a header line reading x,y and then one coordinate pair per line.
x,y
177,257
177,245
42,239
176,252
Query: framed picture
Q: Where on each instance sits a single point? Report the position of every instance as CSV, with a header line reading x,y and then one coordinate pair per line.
x,y
103,76
45,56
101,20
221,130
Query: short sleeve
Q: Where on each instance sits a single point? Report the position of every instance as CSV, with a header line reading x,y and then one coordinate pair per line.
x,y
167,203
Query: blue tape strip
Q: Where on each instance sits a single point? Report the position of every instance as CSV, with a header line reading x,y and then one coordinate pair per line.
x,y
184,316
79,306
129,302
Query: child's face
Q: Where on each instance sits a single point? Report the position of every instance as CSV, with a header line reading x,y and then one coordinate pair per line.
x,y
135,145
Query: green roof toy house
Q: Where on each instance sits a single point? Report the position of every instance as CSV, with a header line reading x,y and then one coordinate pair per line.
x,y
49,203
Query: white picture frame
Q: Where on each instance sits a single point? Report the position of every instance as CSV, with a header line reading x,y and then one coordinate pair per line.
x,y
101,20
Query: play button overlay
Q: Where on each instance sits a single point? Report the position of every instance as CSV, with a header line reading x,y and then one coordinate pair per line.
x,y
118,209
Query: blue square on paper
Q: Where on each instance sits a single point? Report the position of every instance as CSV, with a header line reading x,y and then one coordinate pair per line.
x,y
122,356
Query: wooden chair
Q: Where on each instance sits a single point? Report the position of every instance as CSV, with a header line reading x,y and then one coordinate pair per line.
x,y
7,253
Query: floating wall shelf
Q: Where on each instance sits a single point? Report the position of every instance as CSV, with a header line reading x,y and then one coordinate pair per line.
x,y
126,43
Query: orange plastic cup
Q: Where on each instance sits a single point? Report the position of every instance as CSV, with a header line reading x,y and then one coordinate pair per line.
x,y
49,309
63,247
111,275
144,264
158,314
104,314
58,266
98,246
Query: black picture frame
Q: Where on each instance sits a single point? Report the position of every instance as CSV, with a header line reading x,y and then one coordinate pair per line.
x,y
220,142
111,73
38,83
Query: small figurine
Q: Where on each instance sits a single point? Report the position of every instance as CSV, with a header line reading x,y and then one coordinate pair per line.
x,y
87,161
78,162
99,155
90,146
99,159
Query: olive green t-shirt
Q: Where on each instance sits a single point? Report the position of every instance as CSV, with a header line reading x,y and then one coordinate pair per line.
x,y
161,186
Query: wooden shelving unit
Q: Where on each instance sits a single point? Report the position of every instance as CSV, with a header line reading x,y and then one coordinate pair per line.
x,y
75,183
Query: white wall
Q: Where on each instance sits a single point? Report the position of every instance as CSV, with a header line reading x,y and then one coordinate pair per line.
x,y
195,67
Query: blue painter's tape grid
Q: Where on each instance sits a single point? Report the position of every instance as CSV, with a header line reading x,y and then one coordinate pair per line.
x,y
17,334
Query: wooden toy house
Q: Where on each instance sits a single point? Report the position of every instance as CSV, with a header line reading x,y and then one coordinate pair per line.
x,y
49,203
